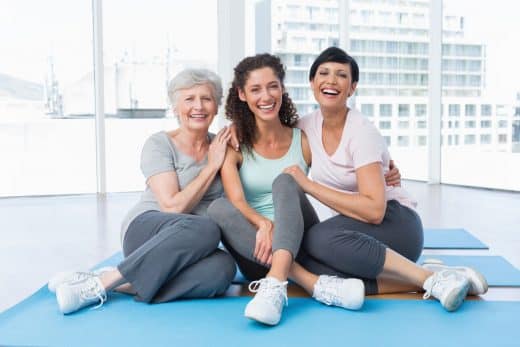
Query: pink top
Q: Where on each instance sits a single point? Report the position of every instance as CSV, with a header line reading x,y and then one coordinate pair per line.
x,y
361,144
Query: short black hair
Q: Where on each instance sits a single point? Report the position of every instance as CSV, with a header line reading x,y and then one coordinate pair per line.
x,y
335,55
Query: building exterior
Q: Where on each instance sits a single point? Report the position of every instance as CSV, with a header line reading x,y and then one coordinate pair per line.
x,y
389,39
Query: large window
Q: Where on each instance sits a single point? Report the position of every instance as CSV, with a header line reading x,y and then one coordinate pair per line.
x,y
482,62
47,129
391,49
47,137
139,62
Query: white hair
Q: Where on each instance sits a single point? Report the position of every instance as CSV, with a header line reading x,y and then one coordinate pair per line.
x,y
189,78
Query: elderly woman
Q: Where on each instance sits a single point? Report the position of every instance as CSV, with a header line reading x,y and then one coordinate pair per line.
x,y
170,246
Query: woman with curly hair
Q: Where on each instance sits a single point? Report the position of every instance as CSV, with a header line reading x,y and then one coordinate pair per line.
x,y
258,221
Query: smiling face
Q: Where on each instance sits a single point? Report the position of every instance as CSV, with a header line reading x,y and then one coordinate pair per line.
x,y
333,84
263,93
196,107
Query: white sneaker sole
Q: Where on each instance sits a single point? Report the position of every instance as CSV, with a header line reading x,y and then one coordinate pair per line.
x,y
455,298
62,302
261,318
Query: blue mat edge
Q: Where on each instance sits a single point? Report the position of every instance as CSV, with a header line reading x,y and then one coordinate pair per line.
x,y
474,242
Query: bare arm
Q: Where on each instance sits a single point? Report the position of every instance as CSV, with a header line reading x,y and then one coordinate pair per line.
x,y
234,191
165,186
235,194
306,149
368,205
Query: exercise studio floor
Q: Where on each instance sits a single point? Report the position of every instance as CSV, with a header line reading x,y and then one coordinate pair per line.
x,y
43,235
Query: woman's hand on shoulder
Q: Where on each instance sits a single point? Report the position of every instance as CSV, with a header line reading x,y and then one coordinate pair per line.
x,y
217,148
233,141
299,176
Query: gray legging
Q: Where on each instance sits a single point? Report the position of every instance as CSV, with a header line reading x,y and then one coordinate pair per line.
x,y
340,246
293,214
170,256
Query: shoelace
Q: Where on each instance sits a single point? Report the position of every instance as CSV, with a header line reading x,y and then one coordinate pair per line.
x,y
79,276
328,293
269,289
92,291
437,285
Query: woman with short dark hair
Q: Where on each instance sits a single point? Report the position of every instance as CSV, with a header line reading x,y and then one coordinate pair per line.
x,y
376,233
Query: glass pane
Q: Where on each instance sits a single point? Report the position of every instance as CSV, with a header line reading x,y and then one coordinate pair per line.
x,y
481,145
390,44
144,46
299,31
47,136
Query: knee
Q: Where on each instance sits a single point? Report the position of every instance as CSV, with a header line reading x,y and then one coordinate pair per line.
x,y
312,241
205,231
225,271
219,210
414,249
284,182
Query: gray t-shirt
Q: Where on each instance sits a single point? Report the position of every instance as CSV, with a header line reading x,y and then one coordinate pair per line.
x,y
160,155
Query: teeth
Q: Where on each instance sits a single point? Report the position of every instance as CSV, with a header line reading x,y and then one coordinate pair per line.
x,y
266,107
330,91
198,116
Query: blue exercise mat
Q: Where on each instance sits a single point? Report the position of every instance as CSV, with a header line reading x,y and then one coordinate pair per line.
x,y
498,271
220,322
451,239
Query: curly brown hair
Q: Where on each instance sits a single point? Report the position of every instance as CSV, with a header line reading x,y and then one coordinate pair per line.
x,y
238,111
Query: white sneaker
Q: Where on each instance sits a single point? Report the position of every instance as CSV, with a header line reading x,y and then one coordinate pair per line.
x,y
72,296
347,293
266,307
64,277
448,286
477,282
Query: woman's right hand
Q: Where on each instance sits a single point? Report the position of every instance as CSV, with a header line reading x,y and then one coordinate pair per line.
x,y
217,148
233,142
264,242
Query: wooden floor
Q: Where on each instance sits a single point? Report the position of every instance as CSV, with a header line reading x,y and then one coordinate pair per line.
x,y
42,235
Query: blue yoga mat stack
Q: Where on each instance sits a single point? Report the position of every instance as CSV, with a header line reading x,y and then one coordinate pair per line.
x,y
435,238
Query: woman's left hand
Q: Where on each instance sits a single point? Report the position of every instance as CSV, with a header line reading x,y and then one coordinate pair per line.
x,y
299,176
393,176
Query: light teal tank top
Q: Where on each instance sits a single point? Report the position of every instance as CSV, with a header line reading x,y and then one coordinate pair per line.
x,y
258,173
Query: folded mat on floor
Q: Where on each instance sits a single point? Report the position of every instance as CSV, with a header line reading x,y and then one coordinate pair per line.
x,y
435,238
219,322
498,271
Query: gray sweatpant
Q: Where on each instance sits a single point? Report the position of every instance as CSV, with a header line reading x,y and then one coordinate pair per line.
x,y
170,256
340,246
